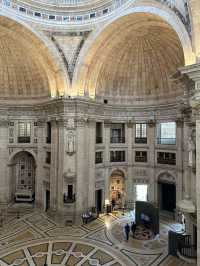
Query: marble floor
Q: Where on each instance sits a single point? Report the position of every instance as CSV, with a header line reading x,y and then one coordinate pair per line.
x,y
35,239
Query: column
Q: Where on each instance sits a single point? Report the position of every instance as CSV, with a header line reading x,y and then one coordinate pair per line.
x,y
198,185
4,187
39,200
153,184
54,166
193,73
129,183
107,158
194,6
181,157
91,149
60,163
82,169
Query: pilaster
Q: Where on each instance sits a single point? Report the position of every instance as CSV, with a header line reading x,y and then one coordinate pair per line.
x,y
82,167
129,141
39,193
91,161
107,124
151,138
54,165
4,187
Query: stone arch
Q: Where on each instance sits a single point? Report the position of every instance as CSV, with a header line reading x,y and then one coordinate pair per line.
x,y
90,50
117,188
166,177
13,154
22,176
41,49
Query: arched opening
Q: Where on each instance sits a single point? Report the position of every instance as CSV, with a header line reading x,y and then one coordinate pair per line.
x,y
23,169
167,193
132,62
117,189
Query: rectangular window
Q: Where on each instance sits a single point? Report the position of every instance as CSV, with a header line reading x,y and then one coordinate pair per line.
x,y
52,17
98,157
69,196
140,133
24,132
105,11
22,9
166,133
117,156
37,14
48,157
141,156
92,15
48,132
70,191
99,132
117,133
166,158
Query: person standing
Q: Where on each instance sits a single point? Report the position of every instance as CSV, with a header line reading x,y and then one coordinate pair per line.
x,y
127,231
133,228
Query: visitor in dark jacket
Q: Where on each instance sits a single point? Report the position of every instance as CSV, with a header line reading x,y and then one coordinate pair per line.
x,y
133,227
127,231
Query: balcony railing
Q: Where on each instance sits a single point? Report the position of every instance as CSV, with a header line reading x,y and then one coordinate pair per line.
x,y
140,159
186,248
24,139
166,141
141,140
69,199
117,140
99,140
166,161
98,160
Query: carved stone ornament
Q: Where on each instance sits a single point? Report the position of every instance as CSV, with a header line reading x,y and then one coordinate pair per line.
x,y
70,144
166,178
70,123
191,151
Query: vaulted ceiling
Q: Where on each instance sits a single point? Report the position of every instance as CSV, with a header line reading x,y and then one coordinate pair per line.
x,y
30,66
21,74
133,60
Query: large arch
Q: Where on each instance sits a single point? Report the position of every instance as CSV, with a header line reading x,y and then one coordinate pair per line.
x,y
32,63
22,176
94,54
194,8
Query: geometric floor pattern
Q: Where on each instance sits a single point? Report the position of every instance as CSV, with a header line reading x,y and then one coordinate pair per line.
x,y
59,253
35,239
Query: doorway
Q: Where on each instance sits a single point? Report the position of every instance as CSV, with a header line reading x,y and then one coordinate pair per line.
x,y
23,177
167,197
117,189
141,192
98,196
47,200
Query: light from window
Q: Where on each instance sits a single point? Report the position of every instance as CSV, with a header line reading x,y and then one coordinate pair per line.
x,y
141,131
24,129
167,133
141,192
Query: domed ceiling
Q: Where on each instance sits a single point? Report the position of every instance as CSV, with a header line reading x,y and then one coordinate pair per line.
x,y
133,60
30,66
21,75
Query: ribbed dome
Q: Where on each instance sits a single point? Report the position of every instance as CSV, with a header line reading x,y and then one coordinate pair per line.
x,y
20,74
134,60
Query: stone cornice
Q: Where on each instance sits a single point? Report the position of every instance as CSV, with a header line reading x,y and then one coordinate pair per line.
x,y
192,71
